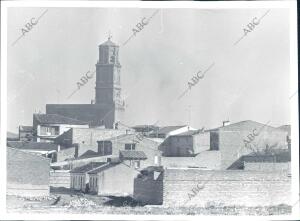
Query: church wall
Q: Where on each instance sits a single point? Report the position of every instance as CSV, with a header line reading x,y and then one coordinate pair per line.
x,y
94,114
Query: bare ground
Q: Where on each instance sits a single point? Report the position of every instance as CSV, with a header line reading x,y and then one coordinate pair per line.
x,y
74,202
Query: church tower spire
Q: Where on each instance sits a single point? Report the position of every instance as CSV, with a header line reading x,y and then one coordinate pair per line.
x,y
108,81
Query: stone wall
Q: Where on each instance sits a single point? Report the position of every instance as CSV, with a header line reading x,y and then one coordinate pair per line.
x,y
60,178
27,173
187,187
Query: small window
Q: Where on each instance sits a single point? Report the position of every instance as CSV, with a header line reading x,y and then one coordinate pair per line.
x,y
104,148
137,164
130,146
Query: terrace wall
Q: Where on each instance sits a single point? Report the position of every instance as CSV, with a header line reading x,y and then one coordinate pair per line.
x,y
229,187
60,178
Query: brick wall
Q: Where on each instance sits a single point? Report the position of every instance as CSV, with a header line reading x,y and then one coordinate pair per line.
x,y
229,187
27,174
60,178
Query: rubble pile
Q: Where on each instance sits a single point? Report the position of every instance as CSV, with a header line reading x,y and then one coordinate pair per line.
x,y
81,202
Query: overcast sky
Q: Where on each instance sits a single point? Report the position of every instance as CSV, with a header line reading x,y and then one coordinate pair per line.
x,y
249,81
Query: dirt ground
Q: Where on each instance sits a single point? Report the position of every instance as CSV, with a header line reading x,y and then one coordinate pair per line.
x,y
75,202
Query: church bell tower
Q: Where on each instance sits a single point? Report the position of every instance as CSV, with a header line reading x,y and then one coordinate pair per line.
x,y
108,83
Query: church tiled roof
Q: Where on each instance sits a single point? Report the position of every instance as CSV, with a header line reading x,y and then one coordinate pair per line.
x,y
88,167
56,119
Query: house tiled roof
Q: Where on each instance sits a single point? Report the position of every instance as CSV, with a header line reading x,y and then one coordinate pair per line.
x,y
132,155
145,128
102,168
168,129
88,167
56,119
24,154
118,137
153,168
245,125
89,154
190,132
32,145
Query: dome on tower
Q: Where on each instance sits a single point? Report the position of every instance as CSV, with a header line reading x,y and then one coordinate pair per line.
x,y
108,43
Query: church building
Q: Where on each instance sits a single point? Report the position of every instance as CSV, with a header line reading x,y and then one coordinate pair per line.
x,y
108,108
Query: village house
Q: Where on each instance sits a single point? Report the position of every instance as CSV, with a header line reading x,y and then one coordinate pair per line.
x,y
189,149
46,127
27,173
185,144
164,132
80,176
84,139
221,148
117,177
131,142
241,138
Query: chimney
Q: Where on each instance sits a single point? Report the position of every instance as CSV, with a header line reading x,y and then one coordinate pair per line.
x,y
157,161
226,123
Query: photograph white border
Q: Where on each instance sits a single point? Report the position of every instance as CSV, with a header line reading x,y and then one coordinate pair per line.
x,y
291,5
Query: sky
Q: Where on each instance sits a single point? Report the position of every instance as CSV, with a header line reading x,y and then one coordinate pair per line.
x,y
247,81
